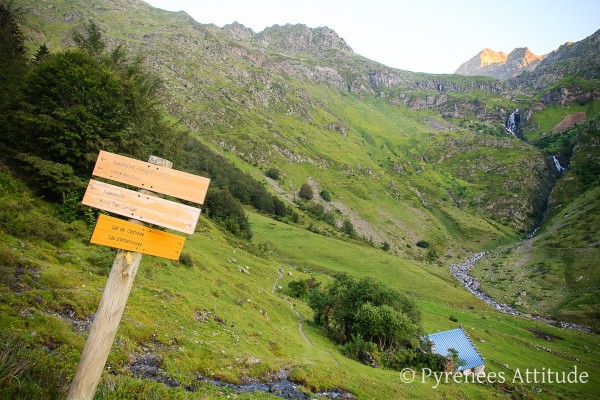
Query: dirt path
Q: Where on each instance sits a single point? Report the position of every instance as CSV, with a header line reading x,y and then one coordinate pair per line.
x,y
300,319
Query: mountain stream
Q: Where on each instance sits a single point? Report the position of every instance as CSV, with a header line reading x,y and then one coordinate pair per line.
x,y
461,272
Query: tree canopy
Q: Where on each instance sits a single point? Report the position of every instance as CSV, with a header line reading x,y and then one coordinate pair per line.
x,y
367,311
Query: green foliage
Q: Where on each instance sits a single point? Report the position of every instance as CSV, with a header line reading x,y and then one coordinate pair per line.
x,y
300,288
385,246
423,244
458,362
186,259
228,212
75,103
349,309
55,179
91,40
273,173
13,62
200,159
348,228
317,211
325,195
305,192
358,348
42,53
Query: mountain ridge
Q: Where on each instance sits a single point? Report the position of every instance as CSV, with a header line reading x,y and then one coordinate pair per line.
x,y
500,65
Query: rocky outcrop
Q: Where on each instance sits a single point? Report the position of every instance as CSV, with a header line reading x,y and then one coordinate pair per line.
x,y
483,59
500,65
298,40
581,59
238,31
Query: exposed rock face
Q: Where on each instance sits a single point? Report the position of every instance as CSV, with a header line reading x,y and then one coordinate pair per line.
x,y
581,58
238,31
477,64
500,65
301,40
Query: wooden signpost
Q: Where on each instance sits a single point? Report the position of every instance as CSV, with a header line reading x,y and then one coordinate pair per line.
x,y
143,207
132,238
152,177
115,232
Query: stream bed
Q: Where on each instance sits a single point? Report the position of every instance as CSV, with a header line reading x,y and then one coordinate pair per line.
x,y
461,272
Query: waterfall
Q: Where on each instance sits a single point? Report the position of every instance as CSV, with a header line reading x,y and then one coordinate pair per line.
x,y
559,167
512,122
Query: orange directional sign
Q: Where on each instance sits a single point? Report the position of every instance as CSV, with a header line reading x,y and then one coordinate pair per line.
x,y
151,177
121,234
143,207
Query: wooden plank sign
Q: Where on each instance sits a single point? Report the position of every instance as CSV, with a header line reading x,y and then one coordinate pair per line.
x,y
151,177
143,207
121,234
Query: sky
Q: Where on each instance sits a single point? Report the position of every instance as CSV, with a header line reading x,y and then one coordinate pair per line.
x,y
433,36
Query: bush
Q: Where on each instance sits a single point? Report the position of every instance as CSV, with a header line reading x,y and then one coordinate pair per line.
x,y
348,228
423,244
298,289
221,206
325,195
186,259
366,310
273,173
385,246
305,192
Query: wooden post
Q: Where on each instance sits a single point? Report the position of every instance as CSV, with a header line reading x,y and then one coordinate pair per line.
x,y
108,316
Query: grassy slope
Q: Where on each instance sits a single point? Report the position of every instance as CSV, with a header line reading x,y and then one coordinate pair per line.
x,y
557,272
47,290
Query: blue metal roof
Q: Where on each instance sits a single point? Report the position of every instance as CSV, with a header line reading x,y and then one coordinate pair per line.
x,y
457,339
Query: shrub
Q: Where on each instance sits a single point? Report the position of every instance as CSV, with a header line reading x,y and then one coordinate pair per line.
x,y
348,228
306,192
366,310
186,259
228,212
423,244
298,289
325,195
273,173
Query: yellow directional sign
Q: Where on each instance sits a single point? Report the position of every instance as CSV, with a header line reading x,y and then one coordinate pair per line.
x,y
151,177
143,207
121,234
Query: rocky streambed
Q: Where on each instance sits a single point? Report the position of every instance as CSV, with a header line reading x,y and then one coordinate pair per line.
x,y
461,272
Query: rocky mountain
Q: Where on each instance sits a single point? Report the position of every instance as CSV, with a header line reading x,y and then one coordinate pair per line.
x,y
580,59
500,65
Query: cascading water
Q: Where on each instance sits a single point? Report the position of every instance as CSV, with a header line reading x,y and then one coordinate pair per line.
x,y
559,167
512,122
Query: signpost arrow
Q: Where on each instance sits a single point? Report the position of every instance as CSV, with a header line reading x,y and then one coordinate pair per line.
x,y
118,233
146,208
